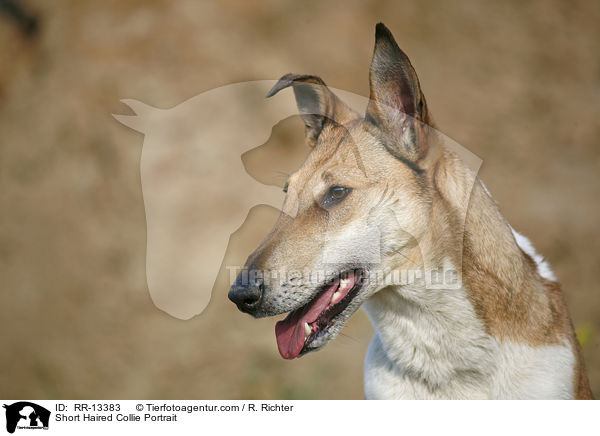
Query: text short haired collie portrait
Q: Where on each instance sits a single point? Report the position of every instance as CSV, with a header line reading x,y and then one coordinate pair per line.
x,y
382,193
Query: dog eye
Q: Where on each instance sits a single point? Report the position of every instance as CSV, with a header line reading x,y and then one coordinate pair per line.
x,y
338,192
334,195
285,188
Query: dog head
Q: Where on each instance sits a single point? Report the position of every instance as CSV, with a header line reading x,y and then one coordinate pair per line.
x,y
361,199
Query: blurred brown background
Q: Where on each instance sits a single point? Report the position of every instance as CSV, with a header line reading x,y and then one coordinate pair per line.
x,y
518,84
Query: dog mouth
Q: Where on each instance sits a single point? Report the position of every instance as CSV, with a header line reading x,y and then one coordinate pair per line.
x,y
303,325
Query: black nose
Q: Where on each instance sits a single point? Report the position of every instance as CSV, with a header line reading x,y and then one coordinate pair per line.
x,y
247,296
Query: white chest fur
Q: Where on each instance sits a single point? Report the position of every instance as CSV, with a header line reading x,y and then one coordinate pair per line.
x,y
445,353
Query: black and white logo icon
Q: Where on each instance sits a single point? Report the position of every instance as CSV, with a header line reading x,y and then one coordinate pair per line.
x,y
26,415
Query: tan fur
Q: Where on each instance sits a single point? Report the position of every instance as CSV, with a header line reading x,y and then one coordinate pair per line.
x,y
503,282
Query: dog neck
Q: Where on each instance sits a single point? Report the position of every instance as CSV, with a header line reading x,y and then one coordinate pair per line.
x,y
434,349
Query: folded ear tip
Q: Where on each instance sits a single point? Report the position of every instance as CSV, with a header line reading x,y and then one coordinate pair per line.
x,y
285,81
272,92
290,79
289,76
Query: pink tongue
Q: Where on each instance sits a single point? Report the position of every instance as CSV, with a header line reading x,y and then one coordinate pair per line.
x,y
290,331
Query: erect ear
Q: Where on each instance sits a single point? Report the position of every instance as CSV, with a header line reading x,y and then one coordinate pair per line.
x,y
316,103
397,106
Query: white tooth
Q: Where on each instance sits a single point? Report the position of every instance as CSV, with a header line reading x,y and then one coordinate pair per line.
x,y
337,296
344,284
307,329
